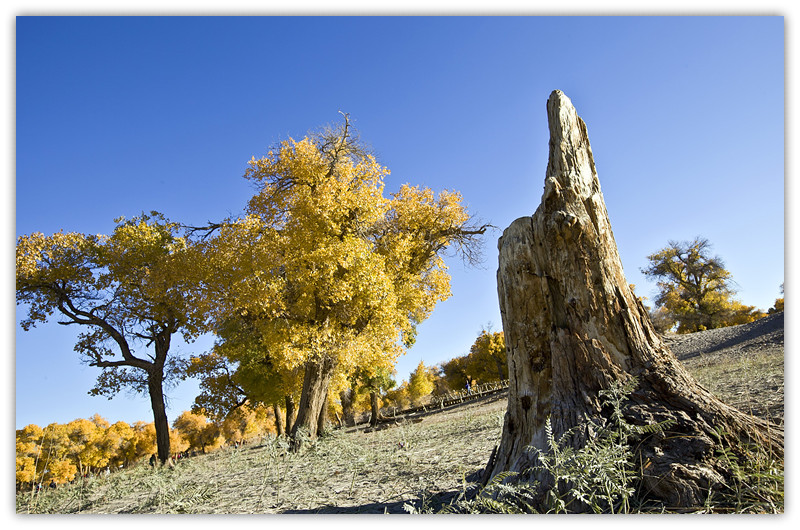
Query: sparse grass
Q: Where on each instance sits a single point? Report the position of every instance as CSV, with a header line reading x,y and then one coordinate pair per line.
x,y
427,467
752,382
597,478
757,484
344,472
600,477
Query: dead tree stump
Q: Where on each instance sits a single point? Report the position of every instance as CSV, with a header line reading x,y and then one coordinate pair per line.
x,y
573,326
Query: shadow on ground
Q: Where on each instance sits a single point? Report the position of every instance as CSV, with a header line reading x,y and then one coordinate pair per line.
x,y
433,503
768,329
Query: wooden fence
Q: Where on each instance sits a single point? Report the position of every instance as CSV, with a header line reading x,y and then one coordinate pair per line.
x,y
440,402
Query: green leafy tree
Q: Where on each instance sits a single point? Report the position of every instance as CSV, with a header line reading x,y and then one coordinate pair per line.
x,y
695,288
239,371
375,382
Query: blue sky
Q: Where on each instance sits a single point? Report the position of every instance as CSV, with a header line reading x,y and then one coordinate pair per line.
x,y
115,116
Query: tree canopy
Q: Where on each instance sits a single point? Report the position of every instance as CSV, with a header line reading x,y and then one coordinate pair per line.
x,y
487,357
695,289
330,275
321,277
485,362
131,293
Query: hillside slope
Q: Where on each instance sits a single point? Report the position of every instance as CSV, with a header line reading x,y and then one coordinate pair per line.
x,y
424,463
762,336
743,364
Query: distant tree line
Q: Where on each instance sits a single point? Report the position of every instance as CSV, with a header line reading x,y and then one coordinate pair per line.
x,y
62,453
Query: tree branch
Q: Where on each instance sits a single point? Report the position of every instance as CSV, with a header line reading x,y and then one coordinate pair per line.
x,y
209,229
87,318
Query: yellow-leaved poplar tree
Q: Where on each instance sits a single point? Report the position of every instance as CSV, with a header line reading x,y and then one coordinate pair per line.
x,y
695,288
456,374
486,361
420,383
331,274
126,289
198,432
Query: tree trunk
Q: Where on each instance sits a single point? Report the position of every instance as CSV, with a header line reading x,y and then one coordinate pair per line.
x,y
315,391
278,419
291,413
154,385
322,419
572,327
373,401
348,413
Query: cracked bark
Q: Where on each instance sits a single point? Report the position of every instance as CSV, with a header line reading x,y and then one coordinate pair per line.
x,y
572,327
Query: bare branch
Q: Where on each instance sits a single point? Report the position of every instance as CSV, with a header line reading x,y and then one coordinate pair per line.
x,y
207,230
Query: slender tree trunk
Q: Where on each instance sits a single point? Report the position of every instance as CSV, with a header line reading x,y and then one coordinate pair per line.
x,y
373,401
291,413
278,419
315,390
154,385
322,419
573,327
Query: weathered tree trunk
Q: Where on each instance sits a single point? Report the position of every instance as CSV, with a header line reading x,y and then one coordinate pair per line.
x,y
315,391
373,402
291,413
348,413
572,327
322,419
279,424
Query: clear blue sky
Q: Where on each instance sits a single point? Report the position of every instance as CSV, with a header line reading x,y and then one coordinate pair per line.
x,y
119,115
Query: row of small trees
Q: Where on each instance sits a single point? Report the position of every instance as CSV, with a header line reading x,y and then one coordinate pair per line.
x,y
61,453
485,363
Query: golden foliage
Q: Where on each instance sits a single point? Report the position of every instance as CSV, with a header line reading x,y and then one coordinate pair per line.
x,y
63,452
324,265
486,362
420,383
398,397
197,432
694,287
